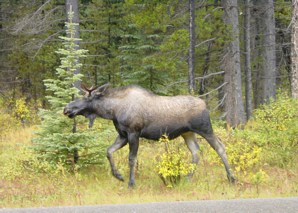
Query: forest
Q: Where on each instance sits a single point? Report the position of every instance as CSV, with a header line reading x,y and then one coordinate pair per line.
x,y
239,56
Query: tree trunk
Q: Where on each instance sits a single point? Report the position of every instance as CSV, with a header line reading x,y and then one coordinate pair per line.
x,y
74,6
266,77
234,107
205,69
191,57
247,65
294,51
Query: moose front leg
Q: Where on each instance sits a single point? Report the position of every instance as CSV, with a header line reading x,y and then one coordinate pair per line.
x,y
133,151
118,144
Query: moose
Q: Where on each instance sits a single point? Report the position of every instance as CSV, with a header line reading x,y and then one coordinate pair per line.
x,y
138,113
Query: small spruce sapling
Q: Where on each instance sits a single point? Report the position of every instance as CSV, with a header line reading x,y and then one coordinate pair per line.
x,y
57,141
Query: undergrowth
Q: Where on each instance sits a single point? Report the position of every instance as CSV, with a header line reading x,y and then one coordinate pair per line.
x,y
173,165
263,157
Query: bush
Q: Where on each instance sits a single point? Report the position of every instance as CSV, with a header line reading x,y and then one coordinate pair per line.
x,y
243,155
275,126
172,164
268,139
21,110
8,123
24,162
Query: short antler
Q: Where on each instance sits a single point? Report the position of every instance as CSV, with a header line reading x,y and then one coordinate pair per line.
x,y
87,90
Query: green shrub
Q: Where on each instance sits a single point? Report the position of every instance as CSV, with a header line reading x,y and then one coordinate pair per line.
x,y
277,115
269,138
258,178
275,125
244,157
21,110
172,164
8,123
22,163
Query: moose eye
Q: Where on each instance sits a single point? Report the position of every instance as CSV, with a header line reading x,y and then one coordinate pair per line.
x,y
98,95
88,99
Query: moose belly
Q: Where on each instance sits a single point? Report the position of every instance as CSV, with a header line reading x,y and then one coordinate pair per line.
x,y
154,132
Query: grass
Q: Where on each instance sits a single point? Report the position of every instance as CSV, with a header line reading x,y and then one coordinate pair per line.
x,y
95,185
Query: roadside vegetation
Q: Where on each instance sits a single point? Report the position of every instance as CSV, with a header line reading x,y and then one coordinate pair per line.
x,y
48,159
263,155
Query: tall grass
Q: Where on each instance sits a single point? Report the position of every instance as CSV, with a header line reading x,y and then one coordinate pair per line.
x,y
95,185
27,182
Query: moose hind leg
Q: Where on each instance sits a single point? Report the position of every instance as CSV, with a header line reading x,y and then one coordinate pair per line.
x,y
133,151
118,144
191,142
216,144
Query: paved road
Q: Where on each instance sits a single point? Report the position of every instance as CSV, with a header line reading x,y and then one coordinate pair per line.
x,y
272,205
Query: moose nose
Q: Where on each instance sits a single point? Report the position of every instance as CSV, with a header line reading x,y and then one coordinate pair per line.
x,y
65,111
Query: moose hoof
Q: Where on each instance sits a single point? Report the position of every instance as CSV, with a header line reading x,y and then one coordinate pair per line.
x,y
131,184
232,179
190,175
119,176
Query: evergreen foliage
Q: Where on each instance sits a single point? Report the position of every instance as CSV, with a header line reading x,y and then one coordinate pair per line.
x,y
57,139
130,42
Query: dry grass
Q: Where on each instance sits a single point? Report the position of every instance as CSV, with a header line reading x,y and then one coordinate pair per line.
x,y
97,186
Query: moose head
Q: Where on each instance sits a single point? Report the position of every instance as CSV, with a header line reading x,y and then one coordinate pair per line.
x,y
84,106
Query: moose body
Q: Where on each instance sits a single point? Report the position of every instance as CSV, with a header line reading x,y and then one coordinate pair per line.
x,y
138,113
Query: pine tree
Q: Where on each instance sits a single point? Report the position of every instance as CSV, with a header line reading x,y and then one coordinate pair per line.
x,y
57,139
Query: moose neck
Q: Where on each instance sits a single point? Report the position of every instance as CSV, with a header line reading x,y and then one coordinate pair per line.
x,y
105,108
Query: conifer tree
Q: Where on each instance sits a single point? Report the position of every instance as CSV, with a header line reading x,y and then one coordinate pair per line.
x,y
57,140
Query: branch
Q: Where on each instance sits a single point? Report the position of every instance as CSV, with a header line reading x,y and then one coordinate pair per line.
x,y
197,78
220,103
213,90
34,23
44,41
177,82
203,42
211,74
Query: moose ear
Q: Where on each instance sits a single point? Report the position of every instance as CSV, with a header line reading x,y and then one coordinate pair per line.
x,y
102,89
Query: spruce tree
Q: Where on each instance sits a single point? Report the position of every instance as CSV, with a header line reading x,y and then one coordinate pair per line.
x,y
57,139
